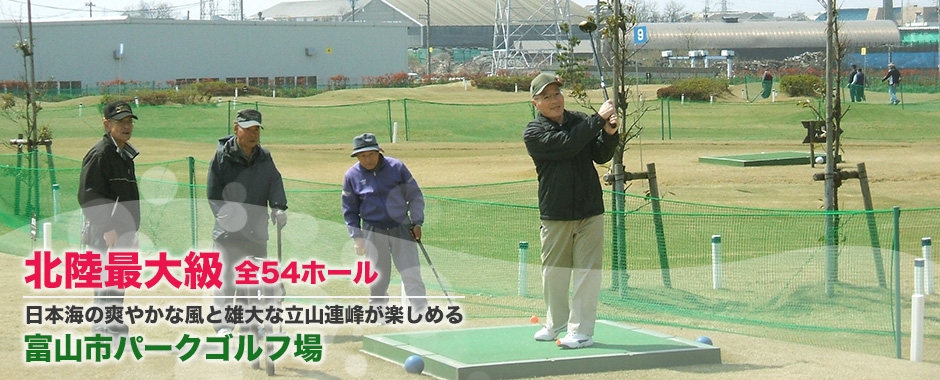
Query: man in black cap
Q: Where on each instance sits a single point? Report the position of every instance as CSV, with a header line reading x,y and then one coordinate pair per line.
x,y
384,209
109,198
243,183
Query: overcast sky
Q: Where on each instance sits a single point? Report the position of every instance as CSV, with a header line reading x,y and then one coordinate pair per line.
x,y
55,9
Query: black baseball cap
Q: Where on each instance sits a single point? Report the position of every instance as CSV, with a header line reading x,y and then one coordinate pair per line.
x,y
118,110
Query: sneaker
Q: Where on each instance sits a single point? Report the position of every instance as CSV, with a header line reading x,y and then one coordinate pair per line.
x,y
546,335
573,340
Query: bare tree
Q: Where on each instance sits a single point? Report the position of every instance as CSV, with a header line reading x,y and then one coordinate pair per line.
x,y
153,10
673,11
644,10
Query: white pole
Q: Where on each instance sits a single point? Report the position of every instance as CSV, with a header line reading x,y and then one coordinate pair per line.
x,y
55,202
919,276
928,266
79,109
47,236
711,99
917,327
523,268
394,132
917,312
716,261
683,99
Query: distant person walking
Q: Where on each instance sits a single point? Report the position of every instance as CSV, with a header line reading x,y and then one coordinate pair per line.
x,y
852,89
861,81
767,84
894,79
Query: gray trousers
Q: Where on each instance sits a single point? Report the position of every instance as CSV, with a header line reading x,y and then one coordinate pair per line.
x,y
572,251
384,246
111,296
233,252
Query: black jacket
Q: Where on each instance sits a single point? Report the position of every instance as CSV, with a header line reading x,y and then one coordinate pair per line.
x,y
107,190
894,75
235,184
564,156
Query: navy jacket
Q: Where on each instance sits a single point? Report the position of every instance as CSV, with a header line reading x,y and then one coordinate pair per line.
x,y
564,156
235,185
385,197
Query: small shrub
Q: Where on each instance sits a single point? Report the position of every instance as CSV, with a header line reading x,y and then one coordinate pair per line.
x,y
694,89
339,82
802,85
504,83
399,79
186,96
215,88
153,98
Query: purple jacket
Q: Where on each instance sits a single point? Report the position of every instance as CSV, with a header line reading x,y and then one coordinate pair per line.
x,y
385,197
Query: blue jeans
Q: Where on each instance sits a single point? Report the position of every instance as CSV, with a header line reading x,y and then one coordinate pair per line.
x,y
892,92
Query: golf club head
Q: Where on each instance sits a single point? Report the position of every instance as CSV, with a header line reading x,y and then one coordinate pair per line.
x,y
587,26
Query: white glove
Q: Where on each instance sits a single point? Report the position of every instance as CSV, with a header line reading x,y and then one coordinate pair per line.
x,y
279,218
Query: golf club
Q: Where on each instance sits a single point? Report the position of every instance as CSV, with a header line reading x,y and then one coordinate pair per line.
x,y
439,282
589,27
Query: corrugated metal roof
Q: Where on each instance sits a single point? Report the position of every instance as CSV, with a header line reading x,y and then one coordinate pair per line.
x,y
767,35
309,9
478,12
443,13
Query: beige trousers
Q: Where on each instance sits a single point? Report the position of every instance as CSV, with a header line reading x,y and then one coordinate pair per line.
x,y
572,251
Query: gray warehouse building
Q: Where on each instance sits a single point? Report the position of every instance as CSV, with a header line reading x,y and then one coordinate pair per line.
x,y
73,54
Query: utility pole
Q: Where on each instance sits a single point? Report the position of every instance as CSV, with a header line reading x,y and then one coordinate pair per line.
x,y
89,5
427,38
353,3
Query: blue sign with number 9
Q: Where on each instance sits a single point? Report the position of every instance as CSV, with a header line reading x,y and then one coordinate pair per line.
x,y
639,35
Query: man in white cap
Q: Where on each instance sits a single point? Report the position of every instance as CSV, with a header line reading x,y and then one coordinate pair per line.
x,y
243,183
565,145
894,79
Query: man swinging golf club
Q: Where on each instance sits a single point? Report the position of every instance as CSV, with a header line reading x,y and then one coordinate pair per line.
x,y
565,145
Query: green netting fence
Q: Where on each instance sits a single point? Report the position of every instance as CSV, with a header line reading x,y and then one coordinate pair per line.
x,y
321,124
773,277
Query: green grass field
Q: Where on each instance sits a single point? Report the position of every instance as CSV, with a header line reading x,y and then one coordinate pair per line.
x,y
464,147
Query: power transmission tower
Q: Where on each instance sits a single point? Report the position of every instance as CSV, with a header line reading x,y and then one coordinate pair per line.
x,y
207,9
527,33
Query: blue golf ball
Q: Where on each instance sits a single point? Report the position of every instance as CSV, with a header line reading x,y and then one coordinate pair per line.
x,y
704,340
414,364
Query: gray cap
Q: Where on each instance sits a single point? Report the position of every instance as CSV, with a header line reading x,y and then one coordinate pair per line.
x,y
364,143
541,81
248,118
